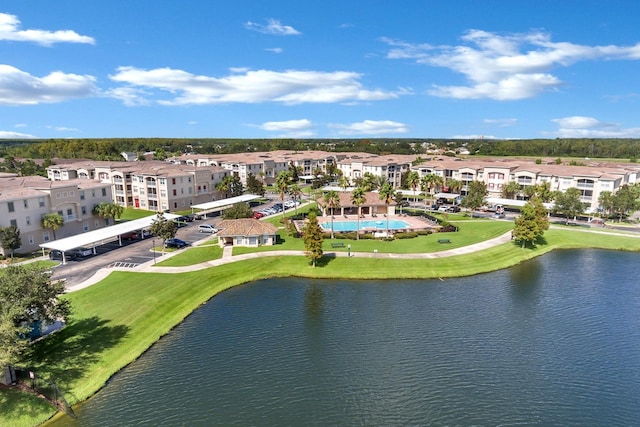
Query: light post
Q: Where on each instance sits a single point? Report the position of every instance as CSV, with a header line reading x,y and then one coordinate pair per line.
x,y
349,250
153,249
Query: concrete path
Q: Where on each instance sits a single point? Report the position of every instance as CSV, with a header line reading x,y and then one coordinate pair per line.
x,y
227,257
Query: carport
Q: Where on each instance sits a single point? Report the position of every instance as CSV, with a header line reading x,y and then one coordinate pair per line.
x,y
219,205
101,236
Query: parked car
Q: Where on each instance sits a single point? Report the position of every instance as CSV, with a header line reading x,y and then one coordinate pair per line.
x,y
207,228
454,208
175,243
257,215
57,255
131,235
443,209
81,252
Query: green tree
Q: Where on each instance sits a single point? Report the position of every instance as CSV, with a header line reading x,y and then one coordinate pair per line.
x,y
568,203
343,183
454,185
606,202
163,228
108,210
475,196
625,200
358,198
282,187
52,221
386,195
27,295
296,194
312,234
413,180
543,191
398,197
238,210
254,185
331,201
10,237
511,190
532,222
224,186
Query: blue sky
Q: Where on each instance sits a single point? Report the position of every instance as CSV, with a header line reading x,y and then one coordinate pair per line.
x,y
323,69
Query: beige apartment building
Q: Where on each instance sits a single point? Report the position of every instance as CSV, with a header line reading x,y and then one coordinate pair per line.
x,y
149,185
25,200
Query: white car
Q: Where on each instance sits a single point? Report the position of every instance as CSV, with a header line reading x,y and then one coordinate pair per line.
x,y
207,228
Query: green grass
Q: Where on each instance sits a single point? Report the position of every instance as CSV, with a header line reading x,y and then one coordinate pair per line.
x,y
130,214
192,256
117,319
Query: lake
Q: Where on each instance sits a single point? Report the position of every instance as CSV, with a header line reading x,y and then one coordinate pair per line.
x,y
553,341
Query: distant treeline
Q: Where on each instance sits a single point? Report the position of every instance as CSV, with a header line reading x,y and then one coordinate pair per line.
x,y
110,148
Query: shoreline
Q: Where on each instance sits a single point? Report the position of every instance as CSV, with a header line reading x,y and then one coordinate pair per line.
x,y
242,273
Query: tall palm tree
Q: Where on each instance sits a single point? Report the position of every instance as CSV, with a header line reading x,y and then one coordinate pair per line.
x,y
109,210
510,191
344,182
52,221
331,201
282,187
386,194
358,198
413,179
296,193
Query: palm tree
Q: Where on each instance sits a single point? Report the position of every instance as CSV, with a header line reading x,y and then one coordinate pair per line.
x,y
344,182
282,187
332,201
510,190
386,194
428,182
108,210
413,179
52,221
358,198
296,193
379,182
225,185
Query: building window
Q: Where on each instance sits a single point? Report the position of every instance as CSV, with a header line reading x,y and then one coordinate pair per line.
x,y
162,181
83,209
45,236
14,223
25,203
104,192
12,208
173,181
30,238
85,226
28,220
82,195
175,192
41,202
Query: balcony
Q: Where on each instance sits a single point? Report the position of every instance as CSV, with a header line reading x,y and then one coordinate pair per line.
x,y
69,218
585,185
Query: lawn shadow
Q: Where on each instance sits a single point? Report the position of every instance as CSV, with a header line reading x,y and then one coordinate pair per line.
x,y
65,356
327,257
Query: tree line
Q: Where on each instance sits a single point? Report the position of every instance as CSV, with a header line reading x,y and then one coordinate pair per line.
x,y
110,148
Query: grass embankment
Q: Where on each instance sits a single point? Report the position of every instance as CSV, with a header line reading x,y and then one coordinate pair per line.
x,y
119,318
193,256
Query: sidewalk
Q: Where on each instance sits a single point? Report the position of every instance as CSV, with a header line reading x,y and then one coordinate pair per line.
x,y
227,257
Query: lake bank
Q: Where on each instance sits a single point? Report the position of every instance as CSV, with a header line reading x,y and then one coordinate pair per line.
x,y
137,309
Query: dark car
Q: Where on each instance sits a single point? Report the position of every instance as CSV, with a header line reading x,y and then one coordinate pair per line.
x,y
175,243
57,255
454,209
80,252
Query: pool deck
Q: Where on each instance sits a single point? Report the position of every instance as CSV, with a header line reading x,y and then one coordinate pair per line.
x,y
415,222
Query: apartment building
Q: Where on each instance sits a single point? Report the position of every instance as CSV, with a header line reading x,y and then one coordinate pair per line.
x,y
25,200
150,185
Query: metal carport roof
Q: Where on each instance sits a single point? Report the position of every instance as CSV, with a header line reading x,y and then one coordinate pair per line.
x,y
219,204
102,235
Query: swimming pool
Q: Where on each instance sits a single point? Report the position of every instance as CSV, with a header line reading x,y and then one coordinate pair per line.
x,y
380,224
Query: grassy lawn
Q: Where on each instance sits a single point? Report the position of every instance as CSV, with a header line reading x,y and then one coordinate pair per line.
x,y
130,214
192,256
117,319
470,233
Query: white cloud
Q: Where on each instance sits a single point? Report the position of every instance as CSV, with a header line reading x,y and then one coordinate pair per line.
x,y
14,135
248,86
192,122
130,96
501,122
288,125
63,129
274,49
507,67
20,88
590,127
273,26
370,127
9,30
20,125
